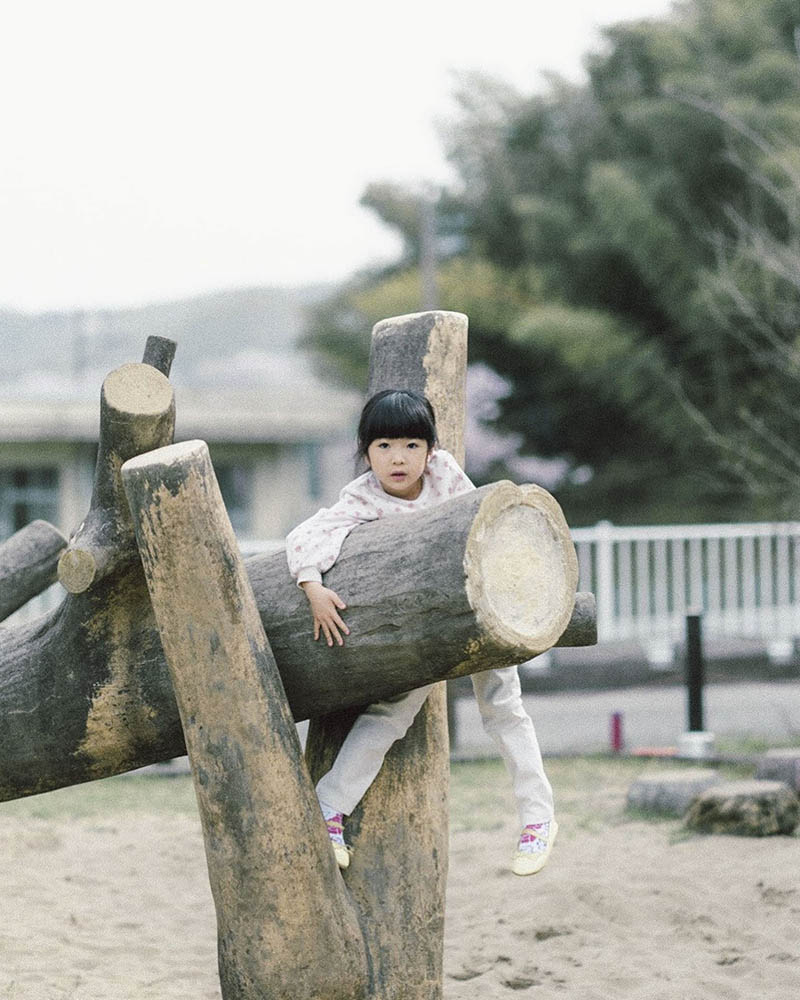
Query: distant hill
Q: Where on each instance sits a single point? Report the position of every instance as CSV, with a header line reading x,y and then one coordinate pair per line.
x,y
232,337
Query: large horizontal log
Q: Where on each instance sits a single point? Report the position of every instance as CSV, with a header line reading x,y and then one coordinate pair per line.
x,y
28,561
85,693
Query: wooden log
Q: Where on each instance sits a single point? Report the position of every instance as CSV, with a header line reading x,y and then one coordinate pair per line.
x,y
85,693
287,928
582,627
137,414
28,562
400,831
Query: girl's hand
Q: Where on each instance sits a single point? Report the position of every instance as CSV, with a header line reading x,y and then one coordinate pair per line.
x,y
325,607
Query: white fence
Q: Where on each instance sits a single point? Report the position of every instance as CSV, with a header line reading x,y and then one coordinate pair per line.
x,y
743,578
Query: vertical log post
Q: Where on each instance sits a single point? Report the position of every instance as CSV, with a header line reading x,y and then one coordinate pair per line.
x,y
400,830
286,926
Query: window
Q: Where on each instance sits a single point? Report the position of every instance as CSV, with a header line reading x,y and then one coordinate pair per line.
x,y
235,484
27,493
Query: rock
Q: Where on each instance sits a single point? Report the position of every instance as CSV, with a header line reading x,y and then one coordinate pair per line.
x,y
748,808
670,793
781,765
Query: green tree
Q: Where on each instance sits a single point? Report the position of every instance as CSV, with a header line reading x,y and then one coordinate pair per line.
x,y
624,225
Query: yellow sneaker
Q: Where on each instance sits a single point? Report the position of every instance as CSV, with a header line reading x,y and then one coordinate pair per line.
x,y
535,843
342,854
341,851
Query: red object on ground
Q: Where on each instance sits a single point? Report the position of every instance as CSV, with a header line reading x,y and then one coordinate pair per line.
x,y
617,741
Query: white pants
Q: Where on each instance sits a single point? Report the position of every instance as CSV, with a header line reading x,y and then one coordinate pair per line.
x,y
499,698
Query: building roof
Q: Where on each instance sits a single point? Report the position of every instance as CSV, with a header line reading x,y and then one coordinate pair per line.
x,y
224,416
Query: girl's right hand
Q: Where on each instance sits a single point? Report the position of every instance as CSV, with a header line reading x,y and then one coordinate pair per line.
x,y
325,607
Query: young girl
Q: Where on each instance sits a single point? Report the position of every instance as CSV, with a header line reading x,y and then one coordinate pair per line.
x,y
407,473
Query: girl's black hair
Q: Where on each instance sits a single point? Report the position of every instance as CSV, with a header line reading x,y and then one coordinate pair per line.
x,y
396,413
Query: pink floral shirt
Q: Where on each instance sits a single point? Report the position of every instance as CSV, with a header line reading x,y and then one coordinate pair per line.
x,y
314,546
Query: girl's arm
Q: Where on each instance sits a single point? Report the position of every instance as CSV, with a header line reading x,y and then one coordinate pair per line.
x,y
313,547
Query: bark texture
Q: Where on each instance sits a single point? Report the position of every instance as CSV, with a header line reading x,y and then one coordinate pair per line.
x,y
287,927
28,561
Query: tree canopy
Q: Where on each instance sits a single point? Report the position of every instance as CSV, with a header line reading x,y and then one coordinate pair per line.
x,y
627,251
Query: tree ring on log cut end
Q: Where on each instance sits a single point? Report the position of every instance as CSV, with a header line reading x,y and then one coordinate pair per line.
x,y
76,570
521,567
137,388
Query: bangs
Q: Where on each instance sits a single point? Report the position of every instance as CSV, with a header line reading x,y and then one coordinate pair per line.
x,y
396,413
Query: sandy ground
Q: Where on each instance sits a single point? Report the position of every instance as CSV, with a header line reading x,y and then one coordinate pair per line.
x,y
115,904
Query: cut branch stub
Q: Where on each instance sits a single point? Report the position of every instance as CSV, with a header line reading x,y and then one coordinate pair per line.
x,y
286,925
28,562
137,414
160,353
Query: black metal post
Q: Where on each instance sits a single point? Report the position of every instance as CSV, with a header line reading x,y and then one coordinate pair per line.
x,y
694,671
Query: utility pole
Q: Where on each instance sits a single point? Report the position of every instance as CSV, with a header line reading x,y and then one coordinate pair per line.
x,y
427,251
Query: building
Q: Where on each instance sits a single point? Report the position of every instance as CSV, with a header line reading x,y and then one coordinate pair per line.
x,y
279,454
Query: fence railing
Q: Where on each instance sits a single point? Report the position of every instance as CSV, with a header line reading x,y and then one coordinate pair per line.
x,y
744,578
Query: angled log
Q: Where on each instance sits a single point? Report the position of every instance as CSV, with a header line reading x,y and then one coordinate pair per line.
x,y
28,561
287,928
137,414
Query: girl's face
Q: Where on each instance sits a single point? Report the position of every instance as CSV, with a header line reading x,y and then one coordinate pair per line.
x,y
399,464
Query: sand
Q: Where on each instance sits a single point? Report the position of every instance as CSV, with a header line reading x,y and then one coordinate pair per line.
x,y
115,904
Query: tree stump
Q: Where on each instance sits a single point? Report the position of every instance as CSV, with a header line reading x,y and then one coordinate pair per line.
x,y
781,765
28,561
669,793
746,808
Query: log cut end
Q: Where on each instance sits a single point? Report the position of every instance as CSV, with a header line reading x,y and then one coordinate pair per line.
x,y
424,321
137,389
77,569
521,568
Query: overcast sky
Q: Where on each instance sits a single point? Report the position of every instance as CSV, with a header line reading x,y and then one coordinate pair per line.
x,y
161,148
